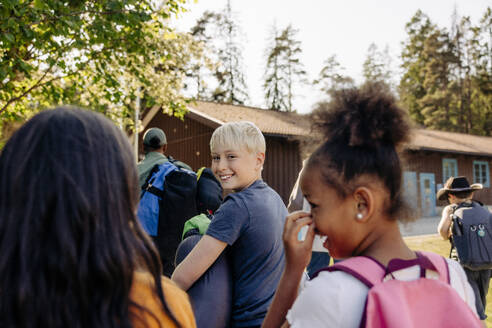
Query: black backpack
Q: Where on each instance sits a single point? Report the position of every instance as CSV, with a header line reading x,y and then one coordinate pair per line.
x,y
472,235
167,201
170,196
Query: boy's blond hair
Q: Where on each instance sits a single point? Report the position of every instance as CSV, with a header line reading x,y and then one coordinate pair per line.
x,y
237,135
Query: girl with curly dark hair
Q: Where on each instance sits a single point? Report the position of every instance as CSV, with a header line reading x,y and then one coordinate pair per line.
x,y
72,252
353,184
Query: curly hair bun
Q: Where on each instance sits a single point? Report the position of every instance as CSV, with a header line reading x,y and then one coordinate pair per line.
x,y
367,117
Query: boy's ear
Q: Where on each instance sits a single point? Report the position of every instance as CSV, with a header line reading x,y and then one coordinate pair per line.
x,y
260,159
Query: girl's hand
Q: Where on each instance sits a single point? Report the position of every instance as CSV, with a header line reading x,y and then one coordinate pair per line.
x,y
298,252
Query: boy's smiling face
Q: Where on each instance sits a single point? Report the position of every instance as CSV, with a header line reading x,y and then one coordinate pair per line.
x,y
236,168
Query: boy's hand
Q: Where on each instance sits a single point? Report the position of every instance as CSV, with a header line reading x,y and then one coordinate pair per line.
x,y
448,210
298,252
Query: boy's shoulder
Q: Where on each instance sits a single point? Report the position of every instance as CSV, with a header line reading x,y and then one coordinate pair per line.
x,y
257,190
258,195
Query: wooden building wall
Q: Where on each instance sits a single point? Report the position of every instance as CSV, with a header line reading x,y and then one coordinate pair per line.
x,y
188,141
282,165
431,162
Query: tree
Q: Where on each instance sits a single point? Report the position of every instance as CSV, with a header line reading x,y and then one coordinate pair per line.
x,y
331,77
200,71
101,54
294,69
481,56
411,87
226,52
447,75
283,69
377,66
275,85
435,105
473,74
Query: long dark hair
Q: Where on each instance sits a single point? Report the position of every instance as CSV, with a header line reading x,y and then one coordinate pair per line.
x,y
69,239
363,131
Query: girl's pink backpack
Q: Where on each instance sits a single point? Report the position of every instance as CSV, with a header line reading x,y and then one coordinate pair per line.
x,y
419,303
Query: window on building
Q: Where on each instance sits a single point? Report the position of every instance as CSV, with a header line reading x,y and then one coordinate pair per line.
x,y
449,169
481,173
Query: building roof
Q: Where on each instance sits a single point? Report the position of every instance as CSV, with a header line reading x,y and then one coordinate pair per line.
x,y
268,121
291,124
451,142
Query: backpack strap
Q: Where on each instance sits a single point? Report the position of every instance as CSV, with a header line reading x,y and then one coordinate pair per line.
x,y
154,169
440,264
178,164
148,187
369,271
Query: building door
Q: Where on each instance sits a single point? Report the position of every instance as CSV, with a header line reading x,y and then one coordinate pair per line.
x,y
410,188
428,194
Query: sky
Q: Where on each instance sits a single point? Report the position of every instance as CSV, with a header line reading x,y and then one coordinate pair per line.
x,y
344,28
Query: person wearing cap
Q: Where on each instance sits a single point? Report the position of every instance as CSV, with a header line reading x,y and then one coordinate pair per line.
x,y
457,191
155,146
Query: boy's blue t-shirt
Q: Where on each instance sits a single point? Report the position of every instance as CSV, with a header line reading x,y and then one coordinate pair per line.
x,y
251,222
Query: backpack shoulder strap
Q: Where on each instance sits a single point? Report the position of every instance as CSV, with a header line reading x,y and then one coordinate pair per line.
x,y
365,269
370,272
178,164
154,169
154,174
440,264
463,205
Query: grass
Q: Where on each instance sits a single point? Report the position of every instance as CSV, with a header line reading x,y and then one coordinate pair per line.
x,y
434,243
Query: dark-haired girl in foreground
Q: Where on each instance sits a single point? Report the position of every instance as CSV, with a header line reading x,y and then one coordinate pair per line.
x,y
72,252
353,184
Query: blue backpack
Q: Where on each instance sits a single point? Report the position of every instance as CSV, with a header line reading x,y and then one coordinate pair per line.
x,y
167,201
472,235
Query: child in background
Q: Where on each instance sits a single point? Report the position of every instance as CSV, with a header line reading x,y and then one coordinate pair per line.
x,y
458,192
73,252
353,184
248,225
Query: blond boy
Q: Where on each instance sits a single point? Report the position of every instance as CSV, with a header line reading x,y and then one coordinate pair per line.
x,y
248,225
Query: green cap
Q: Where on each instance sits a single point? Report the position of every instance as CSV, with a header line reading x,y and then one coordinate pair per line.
x,y
155,138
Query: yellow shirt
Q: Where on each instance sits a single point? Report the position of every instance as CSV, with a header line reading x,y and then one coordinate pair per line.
x,y
142,293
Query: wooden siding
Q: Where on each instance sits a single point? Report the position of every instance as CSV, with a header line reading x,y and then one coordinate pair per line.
x,y
282,165
431,162
188,141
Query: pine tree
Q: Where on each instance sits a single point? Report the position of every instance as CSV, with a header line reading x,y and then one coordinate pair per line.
x,y
220,77
331,77
229,74
411,87
447,80
274,84
481,80
377,66
435,105
284,69
201,71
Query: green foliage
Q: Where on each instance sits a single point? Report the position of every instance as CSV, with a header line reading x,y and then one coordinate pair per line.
x,y
99,54
331,77
283,70
447,80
